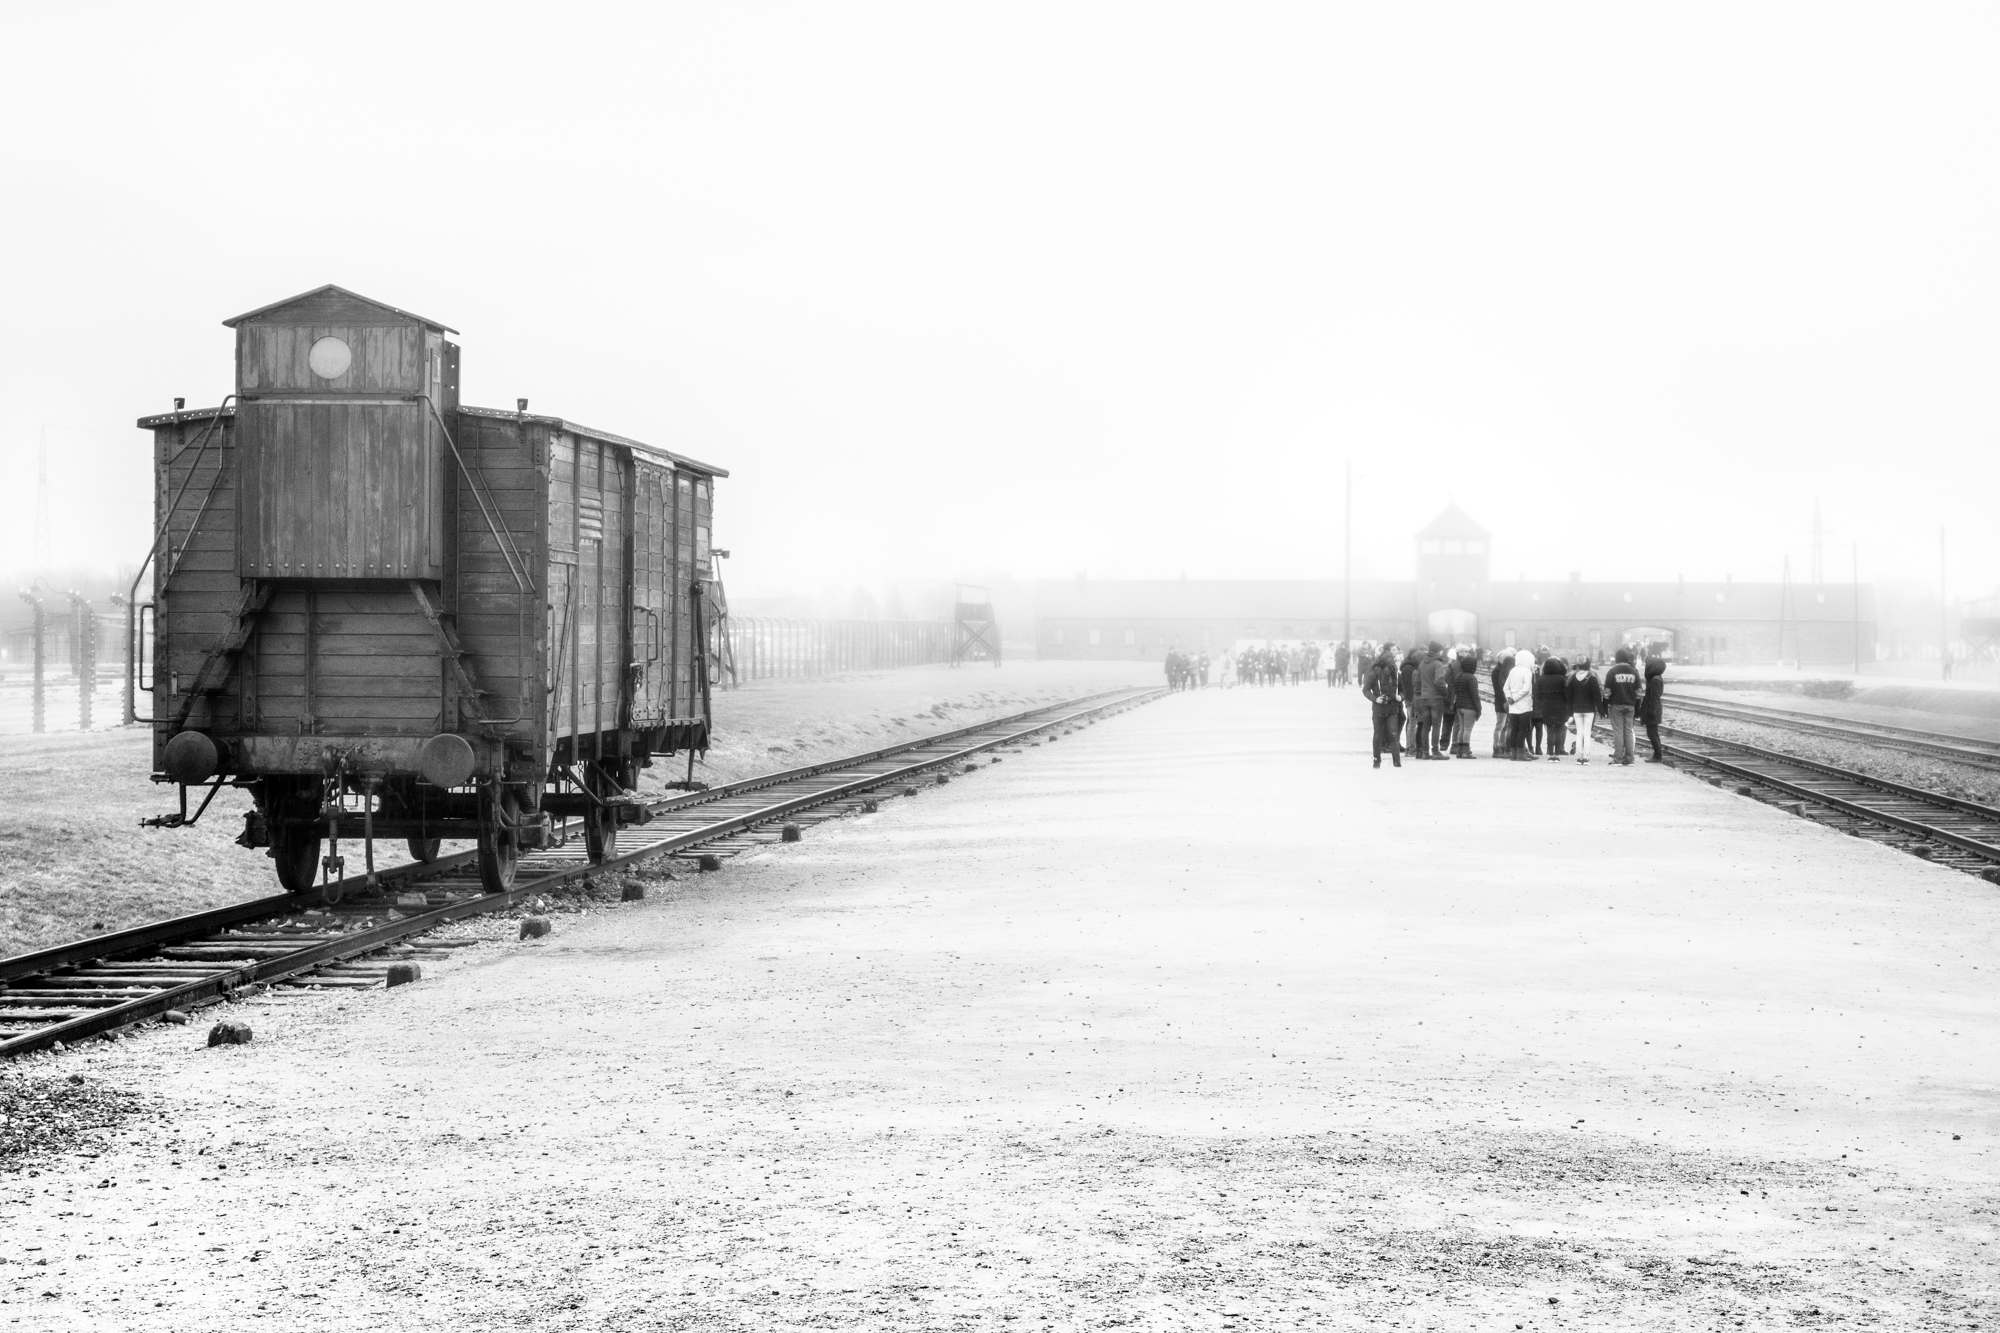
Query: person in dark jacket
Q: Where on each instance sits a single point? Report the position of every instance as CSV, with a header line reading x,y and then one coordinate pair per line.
x,y
1651,707
1586,705
1433,697
1552,702
1378,687
1406,690
1464,705
1622,689
1503,664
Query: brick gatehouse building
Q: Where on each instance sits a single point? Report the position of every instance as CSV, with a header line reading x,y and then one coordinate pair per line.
x,y
1455,599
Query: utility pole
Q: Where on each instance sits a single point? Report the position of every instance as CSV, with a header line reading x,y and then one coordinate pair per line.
x,y
28,596
131,656
1347,568
83,655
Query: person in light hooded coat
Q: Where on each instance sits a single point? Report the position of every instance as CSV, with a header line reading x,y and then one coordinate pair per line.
x,y
1520,703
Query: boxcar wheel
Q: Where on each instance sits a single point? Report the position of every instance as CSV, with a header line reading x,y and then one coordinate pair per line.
x,y
297,856
499,842
425,849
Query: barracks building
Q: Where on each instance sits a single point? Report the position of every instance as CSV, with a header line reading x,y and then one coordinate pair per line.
x,y
1454,599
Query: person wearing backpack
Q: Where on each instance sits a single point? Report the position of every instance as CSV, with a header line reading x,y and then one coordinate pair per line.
x,y
1622,690
1586,705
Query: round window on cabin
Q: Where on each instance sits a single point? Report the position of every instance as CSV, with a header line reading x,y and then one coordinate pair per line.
x,y
329,358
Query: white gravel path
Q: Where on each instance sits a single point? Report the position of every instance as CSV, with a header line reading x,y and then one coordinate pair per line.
x,y
1189,1020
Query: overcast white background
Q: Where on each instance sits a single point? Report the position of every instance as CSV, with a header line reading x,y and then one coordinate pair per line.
x,y
1062,288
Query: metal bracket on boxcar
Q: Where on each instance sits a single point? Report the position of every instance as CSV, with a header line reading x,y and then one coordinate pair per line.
x,y
183,819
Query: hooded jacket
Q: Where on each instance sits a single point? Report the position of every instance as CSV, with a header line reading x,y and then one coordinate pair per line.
x,y
1503,666
1433,680
1586,696
1552,692
1656,689
1621,683
1465,686
1521,685
1406,679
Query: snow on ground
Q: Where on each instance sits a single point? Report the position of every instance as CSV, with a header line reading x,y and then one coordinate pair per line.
x,y
74,860
1192,1019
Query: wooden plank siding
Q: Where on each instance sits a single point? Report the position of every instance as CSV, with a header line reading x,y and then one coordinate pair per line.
x,y
196,595
610,539
500,627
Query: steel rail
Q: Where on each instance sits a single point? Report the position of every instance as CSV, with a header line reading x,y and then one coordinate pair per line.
x,y
1964,749
225,982
1873,814
1855,809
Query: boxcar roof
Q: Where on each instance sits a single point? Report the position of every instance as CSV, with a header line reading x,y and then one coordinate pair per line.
x,y
680,460
191,414
338,291
203,414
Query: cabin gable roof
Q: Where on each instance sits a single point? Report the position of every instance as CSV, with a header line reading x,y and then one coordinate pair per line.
x,y
336,305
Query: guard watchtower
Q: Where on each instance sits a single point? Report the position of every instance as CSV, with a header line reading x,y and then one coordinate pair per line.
x,y
975,633
1453,575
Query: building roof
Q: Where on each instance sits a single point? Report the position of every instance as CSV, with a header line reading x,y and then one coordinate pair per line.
x,y
1452,522
1213,599
319,293
1498,602
559,423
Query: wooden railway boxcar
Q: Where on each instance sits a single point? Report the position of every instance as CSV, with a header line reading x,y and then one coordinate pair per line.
x,y
389,615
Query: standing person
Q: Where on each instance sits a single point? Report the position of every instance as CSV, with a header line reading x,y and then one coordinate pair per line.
x,y
1378,687
1433,697
1652,707
1621,699
1226,675
1340,660
1406,690
1552,691
1465,704
1586,705
1201,668
1503,666
1520,704
1448,725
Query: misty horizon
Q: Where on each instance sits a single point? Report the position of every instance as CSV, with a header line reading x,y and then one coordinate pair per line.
x,y
1116,292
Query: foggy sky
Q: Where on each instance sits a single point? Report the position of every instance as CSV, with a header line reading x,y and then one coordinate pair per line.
x,y
1063,288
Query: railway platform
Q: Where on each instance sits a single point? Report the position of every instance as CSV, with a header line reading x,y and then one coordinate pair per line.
x,y
1191,1016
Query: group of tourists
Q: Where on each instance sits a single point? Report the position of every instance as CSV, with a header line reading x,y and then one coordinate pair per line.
x,y
1187,671
1271,664
1427,702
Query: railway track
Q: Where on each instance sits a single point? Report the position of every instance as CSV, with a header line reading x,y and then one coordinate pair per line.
x,y
1946,829
1962,749
94,986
